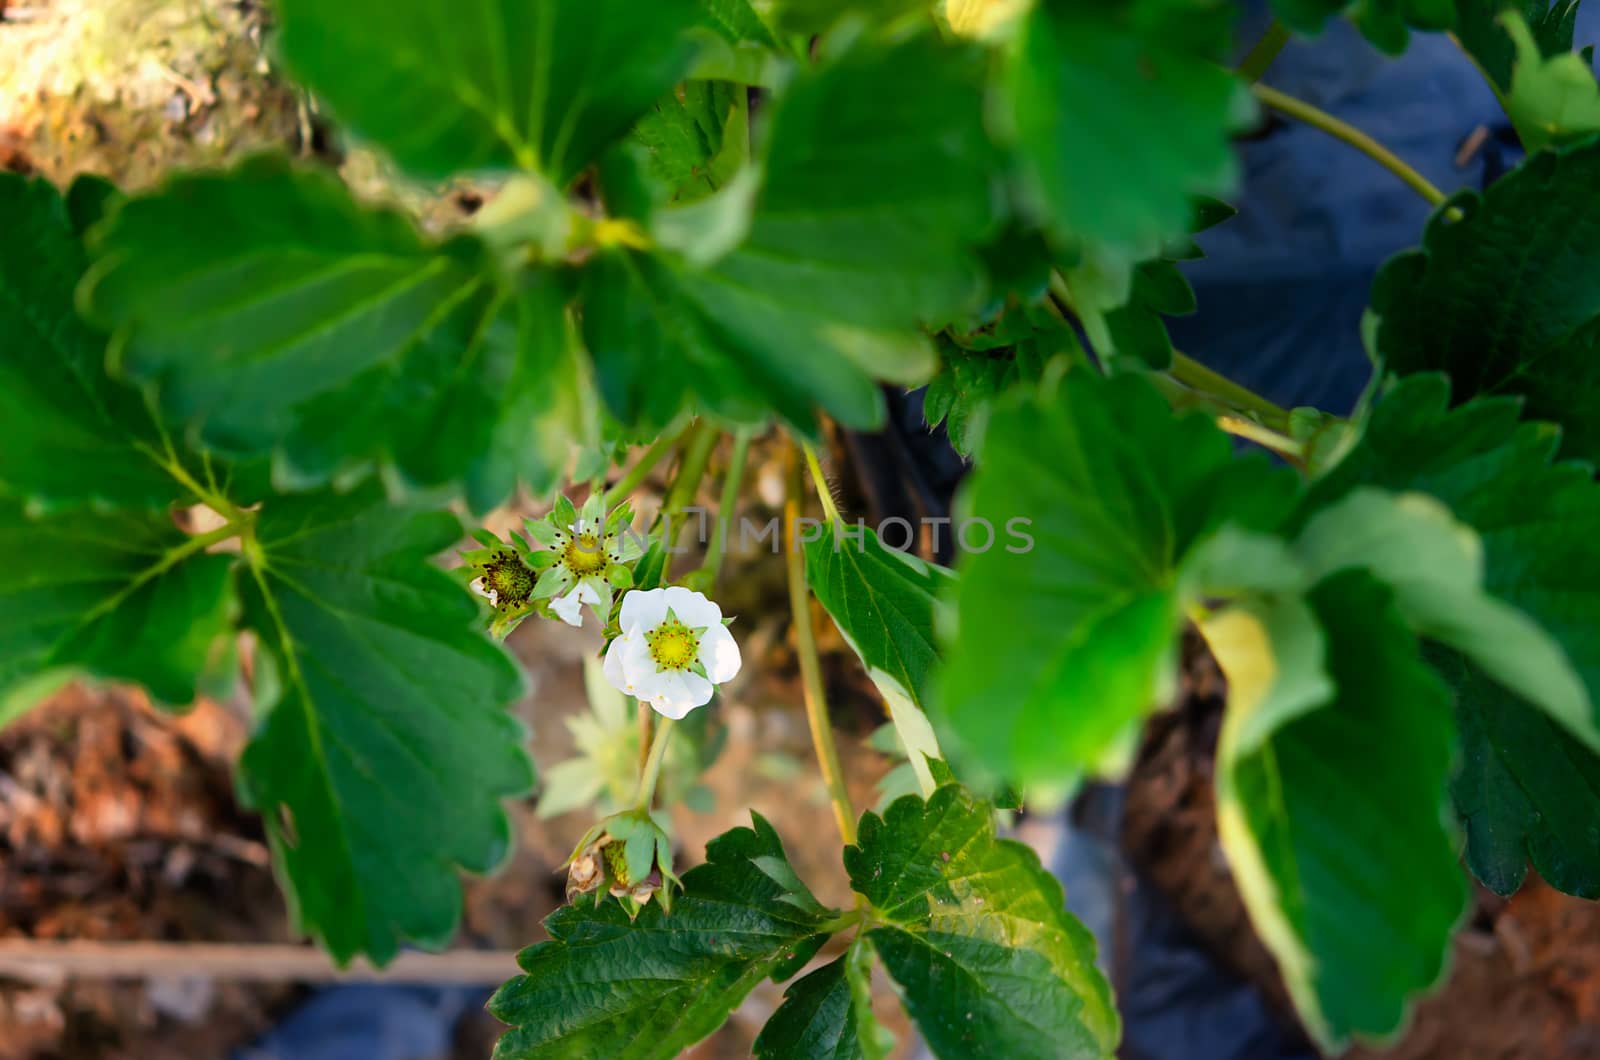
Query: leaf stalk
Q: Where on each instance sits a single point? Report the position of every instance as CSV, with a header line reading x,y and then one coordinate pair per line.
x,y
642,467
1317,118
1196,376
810,663
718,547
1255,64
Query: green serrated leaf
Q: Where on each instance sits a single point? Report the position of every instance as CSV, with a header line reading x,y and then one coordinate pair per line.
x,y
650,988
876,185
963,393
1552,100
279,316
1123,319
73,436
1386,23
1146,76
811,17
817,1020
974,932
695,139
1315,856
528,389
1434,565
738,21
385,746
1064,642
1525,790
1484,36
1537,520
874,192
885,603
542,85
120,596
1504,297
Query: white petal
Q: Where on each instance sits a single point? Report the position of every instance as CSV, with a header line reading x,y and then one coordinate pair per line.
x,y
719,653
643,609
586,593
488,594
692,608
677,693
699,688
566,607
613,664
637,666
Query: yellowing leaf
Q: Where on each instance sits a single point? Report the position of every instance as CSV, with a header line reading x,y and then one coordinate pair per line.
x,y
982,18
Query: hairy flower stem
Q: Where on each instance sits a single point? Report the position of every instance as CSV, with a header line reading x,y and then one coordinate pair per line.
x,y
1265,51
820,481
647,728
810,664
652,764
1349,134
730,497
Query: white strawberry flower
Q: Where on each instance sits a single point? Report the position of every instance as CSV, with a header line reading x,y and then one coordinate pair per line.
x,y
673,649
566,607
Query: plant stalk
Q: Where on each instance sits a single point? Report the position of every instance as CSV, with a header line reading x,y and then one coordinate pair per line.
x,y
642,467
1254,65
1282,444
1193,374
696,456
810,664
820,481
647,727
1349,134
652,764
726,504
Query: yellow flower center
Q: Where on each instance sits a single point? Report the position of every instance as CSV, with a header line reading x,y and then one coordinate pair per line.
x,y
673,645
584,554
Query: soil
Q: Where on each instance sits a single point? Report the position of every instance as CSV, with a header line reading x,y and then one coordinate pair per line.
x,y
1525,976
117,822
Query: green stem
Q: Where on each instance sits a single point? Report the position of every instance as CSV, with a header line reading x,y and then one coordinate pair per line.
x,y
844,921
1266,50
642,467
1266,437
686,482
725,506
696,455
1192,373
1228,418
652,764
810,663
647,728
1339,130
820,481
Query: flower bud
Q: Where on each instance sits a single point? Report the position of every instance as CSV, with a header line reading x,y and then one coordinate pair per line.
x,y
630,855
